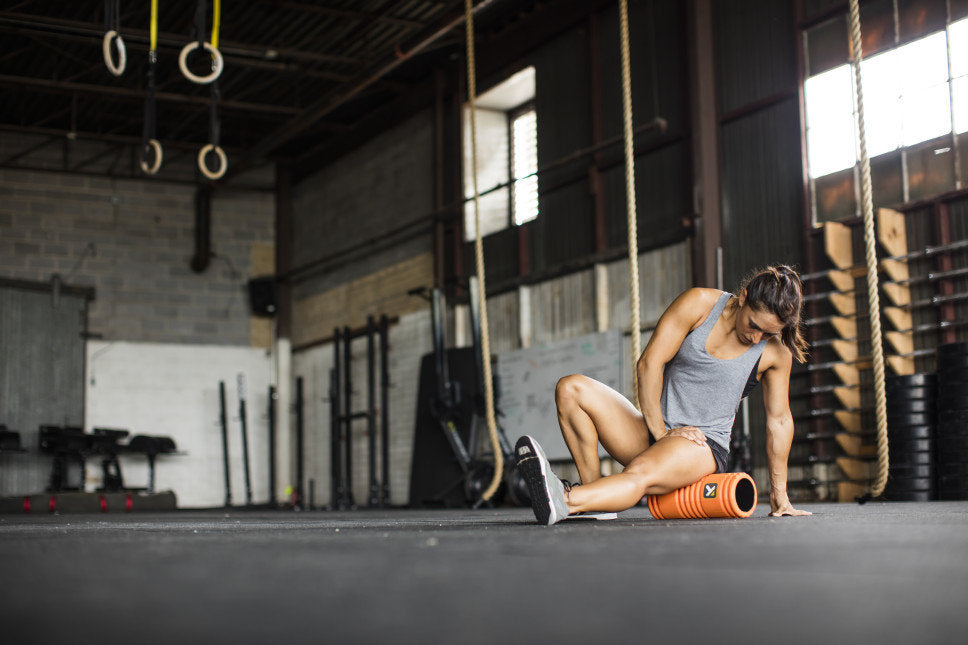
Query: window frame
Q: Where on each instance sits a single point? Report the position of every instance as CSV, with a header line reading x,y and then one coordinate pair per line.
x,y
946,142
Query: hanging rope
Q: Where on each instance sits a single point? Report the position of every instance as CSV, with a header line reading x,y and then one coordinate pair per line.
x,y
633,234
479,257
150,147
112,25
199,43
873,298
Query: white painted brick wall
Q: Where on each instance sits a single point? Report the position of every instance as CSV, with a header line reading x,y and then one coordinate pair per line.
x,y
172,390
409,340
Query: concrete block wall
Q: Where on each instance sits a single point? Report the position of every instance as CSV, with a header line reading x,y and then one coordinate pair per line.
x,y
384,186
133,240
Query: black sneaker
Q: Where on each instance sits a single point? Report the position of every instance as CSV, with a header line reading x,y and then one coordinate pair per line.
x,y
547,491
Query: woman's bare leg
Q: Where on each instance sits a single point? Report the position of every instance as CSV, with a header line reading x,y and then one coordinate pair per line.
x,y
590,413
671,463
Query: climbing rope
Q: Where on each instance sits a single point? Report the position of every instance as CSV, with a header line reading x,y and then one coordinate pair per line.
x,y
479,258
150,147
633,235
112,25
199,43
873,298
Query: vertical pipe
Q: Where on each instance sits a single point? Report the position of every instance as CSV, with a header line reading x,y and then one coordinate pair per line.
x,y
440,357
705,148
245,440
347,454
225,442
438,177
299,442
385,410
596,185
457,239
374,499
272,446
333,438
336,436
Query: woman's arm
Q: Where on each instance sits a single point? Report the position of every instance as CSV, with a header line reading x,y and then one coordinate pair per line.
x,y
679,319
779,428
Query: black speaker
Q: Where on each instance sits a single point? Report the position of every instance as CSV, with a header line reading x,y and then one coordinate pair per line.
x,y
262,295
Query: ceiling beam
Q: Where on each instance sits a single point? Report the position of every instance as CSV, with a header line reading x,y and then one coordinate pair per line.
x,y
362,16
45,24
124,92
333,100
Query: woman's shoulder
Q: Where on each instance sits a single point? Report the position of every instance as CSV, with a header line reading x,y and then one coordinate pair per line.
x,y
694,304
701,295
776,354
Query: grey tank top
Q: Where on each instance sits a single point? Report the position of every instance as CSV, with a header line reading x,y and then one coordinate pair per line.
x,y
701,390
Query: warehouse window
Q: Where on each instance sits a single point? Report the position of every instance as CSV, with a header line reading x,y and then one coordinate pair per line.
x,y
507,156
915,107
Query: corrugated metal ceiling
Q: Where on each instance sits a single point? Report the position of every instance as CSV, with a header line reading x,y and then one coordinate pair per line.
x,y
297,73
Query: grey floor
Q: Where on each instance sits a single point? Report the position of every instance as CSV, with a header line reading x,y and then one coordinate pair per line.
x,y
878,573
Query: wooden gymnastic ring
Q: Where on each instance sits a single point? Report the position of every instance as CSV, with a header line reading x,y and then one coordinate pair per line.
x,y
118,69
223,161
216,64
156,148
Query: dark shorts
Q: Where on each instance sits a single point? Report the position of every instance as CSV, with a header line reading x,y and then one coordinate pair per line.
x,y
720,454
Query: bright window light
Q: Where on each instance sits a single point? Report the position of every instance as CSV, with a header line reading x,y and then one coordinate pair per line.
x,y
906,101
507,156
959,91
524,165
958,35
830,125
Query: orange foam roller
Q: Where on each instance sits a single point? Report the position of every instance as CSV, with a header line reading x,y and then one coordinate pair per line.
x,y
716,495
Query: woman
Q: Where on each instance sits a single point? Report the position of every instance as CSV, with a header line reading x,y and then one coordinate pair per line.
x,y
691,378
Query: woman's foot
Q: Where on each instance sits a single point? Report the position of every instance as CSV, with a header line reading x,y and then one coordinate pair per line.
x,y
547,492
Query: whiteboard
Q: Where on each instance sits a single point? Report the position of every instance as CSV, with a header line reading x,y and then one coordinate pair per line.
x,y
527,379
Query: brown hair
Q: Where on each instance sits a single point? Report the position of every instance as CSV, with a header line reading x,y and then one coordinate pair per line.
x,y
778,290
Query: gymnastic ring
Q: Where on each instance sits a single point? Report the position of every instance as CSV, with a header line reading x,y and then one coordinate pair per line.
x,y
156,147
216,64
223,162
118,69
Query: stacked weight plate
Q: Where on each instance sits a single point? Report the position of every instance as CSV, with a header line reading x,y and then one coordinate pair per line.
x,y
911,424
953,421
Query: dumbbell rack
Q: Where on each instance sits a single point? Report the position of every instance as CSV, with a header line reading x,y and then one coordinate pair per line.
x,y
838,380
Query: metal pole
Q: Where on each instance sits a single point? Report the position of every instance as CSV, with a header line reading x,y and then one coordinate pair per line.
x,y
385,411
225,442
347,454
371,409
299,442
336,425
272,445
245,440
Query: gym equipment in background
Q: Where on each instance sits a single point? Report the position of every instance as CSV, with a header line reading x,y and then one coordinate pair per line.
x,y
243,421
911,423
342,415
72,446
448,469
150,146
717,495
952,437
223,419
